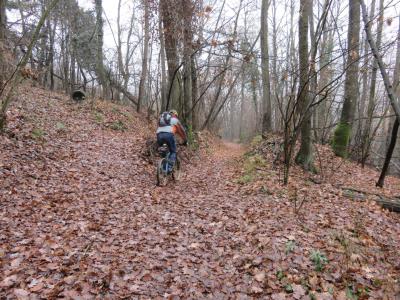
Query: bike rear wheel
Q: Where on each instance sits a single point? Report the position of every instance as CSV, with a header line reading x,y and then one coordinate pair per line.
x,y
162,175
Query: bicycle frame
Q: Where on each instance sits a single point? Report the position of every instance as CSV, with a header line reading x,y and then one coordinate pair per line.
x,y
162,168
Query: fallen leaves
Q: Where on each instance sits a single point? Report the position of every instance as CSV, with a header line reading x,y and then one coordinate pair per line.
x,y
81,217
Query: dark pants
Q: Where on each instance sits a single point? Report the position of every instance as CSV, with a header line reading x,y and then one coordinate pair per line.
x,y
169,139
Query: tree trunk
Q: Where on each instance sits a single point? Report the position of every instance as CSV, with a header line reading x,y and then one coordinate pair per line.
x,y
195,113
343,130
305,155
389,153
266,115
169,18
325,77
366,144
63,65
101,73
277,87
143,77
121,68
232,119
50,59
395,128
187,10
162,60
42,47
3,24
242,108
313,73
3,19
364,88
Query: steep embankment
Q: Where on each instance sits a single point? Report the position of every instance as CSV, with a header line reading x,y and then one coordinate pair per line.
x,y
81,217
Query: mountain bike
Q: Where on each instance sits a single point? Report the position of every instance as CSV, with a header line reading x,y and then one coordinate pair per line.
x,y
162,167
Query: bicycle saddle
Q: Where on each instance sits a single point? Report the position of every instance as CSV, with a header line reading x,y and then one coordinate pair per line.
x,y
163,150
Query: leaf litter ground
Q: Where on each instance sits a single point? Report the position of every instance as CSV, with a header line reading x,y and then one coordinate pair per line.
x,y
81,218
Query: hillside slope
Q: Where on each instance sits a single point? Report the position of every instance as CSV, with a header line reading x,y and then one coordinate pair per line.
x,y
81,218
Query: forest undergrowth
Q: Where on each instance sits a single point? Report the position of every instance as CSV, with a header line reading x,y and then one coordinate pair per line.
x,y
82,218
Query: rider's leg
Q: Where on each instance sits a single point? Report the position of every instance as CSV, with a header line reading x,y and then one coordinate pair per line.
x,y
172,149
169,139
160,139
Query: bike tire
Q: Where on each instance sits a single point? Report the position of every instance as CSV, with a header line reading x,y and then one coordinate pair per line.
x,y
177,172
161,175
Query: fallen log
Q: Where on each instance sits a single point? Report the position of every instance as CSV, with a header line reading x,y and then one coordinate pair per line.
x,y
391,204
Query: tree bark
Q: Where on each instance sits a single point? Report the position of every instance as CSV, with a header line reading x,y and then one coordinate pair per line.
x,y
195,113
121,68
305,155
169,17
3,19
187,11
364,80
389,153
50,59
101,73
324,78
343,130
267,114
143,77
3,24
162,61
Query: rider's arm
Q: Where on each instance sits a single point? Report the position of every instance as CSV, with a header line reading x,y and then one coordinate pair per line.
x,y
178,129
181,132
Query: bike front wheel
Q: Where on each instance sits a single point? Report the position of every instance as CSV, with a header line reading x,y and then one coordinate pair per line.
x,y
177,172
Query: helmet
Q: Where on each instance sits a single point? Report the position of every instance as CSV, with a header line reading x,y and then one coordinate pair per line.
x,y
173,112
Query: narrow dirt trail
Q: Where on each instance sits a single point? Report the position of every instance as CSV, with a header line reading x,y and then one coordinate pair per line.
x,y
82,217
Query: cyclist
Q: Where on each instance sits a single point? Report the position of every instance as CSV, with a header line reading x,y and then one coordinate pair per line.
x,y
168,126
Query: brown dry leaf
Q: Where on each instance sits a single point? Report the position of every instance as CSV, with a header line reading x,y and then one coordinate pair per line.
x,y
260,277
9,281
279,296
256,289
21,294
313,282
37,288
70,279
341,296
298,291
